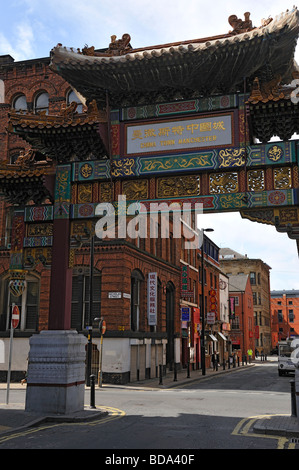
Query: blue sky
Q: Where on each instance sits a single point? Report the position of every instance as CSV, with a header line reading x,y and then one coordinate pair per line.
x,y
31,28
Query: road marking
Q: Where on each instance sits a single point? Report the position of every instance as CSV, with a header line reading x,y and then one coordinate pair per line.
x,y
114,413
244,426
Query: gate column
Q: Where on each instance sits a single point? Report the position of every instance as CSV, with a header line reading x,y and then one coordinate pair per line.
x,y
56,365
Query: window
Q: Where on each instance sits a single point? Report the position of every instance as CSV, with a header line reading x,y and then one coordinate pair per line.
x,y
42,103
28,304
290,302
72,97
252,278
236,323
80,298
279,316
291,316
20,103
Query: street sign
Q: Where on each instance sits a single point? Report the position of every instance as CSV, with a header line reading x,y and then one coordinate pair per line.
x,y
15,317
185,314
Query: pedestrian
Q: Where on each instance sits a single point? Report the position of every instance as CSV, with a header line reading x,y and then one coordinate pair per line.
x,y
214,360
256,353
249,352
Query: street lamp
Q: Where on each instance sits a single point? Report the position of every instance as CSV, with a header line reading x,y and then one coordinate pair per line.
x,y
90,312
202,307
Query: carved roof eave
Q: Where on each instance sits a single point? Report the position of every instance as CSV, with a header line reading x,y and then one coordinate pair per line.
x,y
50,133
21,184
205,67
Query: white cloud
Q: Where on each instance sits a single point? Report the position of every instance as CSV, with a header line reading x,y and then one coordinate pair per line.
x,y
21,47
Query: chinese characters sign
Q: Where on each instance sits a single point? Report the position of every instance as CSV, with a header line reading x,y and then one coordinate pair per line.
x,y
152,299
185,282
188,134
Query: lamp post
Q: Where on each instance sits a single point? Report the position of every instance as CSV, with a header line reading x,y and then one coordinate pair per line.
x,y
202,307
90,312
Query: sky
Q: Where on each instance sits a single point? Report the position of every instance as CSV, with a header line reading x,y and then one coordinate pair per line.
x,y
31,28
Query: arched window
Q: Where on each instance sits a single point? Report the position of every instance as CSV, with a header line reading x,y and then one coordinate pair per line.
x,y
20,103
41,103
28,304
80,297
136,283
73,97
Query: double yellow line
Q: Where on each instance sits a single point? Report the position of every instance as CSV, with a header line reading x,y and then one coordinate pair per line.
x,y
244,426
113,413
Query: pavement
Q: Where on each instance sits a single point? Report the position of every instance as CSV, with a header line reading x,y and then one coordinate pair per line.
x,y
14,418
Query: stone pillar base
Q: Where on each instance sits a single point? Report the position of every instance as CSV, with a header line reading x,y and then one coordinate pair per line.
x,y
56,372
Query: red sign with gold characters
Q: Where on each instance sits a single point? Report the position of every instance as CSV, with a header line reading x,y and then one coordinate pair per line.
x,y
213,300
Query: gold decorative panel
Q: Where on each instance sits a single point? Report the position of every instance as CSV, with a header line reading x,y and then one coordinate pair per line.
x,y
106,192
84,193
178,186
282,178
256,180
222,183
135,189
40,230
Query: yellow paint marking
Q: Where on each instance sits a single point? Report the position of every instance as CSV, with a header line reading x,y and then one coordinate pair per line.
x,y
243,429
114,413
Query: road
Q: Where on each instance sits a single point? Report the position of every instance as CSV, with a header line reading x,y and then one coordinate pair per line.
x,y
213,413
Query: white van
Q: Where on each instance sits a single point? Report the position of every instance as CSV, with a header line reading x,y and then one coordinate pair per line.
x,y
285,363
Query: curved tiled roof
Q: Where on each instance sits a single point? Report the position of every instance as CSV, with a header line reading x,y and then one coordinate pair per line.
x,y
207,66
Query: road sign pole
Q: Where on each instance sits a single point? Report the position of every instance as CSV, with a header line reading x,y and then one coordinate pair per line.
x,y
9,362
14,321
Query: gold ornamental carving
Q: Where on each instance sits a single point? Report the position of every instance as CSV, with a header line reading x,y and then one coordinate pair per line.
x,y
231,157
288,215
40,230
178,186
256,180
282,178
136,189
106,192
84,193
222,183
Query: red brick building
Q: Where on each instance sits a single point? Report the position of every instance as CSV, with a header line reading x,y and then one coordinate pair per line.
x,y
284,315
243,330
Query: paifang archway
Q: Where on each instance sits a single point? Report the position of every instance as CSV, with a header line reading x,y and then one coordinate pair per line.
x,y
175,122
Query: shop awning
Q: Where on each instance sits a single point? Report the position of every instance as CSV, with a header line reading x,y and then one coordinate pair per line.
x,y
213,338
222,336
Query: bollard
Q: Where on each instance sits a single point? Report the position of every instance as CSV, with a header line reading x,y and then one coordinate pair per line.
x,y
223,364
238,361
188,370
293,398
175,373
160,375
234,363
92,391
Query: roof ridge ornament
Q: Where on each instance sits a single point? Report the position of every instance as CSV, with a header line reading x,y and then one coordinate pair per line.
x,y
240,26
116,47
